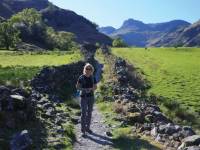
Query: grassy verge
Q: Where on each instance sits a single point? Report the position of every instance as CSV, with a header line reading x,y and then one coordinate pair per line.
x,y
123,136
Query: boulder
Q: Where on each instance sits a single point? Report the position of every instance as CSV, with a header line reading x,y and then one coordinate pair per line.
x,y
193,140
18,102
133,118
154,132
21,141
192,148
167,129
186,131
131,107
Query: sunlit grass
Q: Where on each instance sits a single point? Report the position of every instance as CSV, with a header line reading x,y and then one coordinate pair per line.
x,y
14,58
17,68
173,73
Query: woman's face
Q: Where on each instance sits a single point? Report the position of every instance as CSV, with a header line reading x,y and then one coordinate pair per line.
x,y
88,71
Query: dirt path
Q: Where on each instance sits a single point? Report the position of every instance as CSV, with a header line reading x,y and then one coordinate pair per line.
x,y
98,140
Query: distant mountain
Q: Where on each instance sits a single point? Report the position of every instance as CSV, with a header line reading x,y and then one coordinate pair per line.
x,y
59,19
107,30
137,33
189,36
133,25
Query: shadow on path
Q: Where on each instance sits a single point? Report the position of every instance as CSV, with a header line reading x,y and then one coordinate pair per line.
x,y
100,139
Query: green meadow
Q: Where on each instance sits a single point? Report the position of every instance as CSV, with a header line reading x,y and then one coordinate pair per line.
x,y
17,68
174,73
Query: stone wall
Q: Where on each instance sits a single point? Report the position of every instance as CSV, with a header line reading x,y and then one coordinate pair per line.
x,y
135,108
59,82
19,107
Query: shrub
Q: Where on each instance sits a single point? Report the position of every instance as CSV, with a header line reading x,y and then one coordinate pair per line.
x,y
118,42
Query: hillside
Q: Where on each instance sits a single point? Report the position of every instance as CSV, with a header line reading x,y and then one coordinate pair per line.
x,y
137,33
59,19
189,36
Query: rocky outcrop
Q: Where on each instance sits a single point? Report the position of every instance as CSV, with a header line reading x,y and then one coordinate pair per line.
x,y
28,47
181,37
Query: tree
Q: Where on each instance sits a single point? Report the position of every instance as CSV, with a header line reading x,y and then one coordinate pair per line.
x,y
60,40
95,25
29,17
118,42
64,40
9,36
34,30
30,24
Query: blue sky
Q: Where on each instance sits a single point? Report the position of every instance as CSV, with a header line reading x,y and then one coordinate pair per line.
x,y
114,12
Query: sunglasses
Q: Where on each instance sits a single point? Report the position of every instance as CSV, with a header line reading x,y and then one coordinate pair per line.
x,y
88,69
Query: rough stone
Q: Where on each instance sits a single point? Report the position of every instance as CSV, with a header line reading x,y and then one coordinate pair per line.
x,y
192,140
21,141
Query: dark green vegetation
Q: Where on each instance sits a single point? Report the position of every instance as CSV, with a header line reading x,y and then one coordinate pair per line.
x,y
57,18
118,42
9,36
174,77
123,135
30,28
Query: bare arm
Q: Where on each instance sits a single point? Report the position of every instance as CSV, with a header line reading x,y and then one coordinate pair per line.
x,y
94,87
78,87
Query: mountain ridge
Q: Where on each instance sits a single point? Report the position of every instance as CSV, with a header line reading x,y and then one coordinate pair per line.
x,y
58,18
137,33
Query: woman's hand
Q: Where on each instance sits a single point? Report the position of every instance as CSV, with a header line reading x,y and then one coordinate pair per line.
x,y
90,89
94,87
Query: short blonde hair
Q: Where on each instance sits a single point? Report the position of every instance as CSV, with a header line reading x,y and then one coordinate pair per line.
x,y
88,65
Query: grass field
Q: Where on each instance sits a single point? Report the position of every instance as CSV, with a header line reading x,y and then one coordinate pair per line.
x,y
16,68
173,73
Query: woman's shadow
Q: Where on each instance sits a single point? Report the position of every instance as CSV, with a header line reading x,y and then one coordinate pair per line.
x,y
100,139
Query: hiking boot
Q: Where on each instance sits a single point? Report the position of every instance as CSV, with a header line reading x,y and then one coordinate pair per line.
x,y
89,131
83,134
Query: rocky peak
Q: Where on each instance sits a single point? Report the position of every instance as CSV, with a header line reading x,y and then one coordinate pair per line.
x,y
134,24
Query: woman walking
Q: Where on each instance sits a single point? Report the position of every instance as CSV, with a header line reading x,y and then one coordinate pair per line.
x,y
87,84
